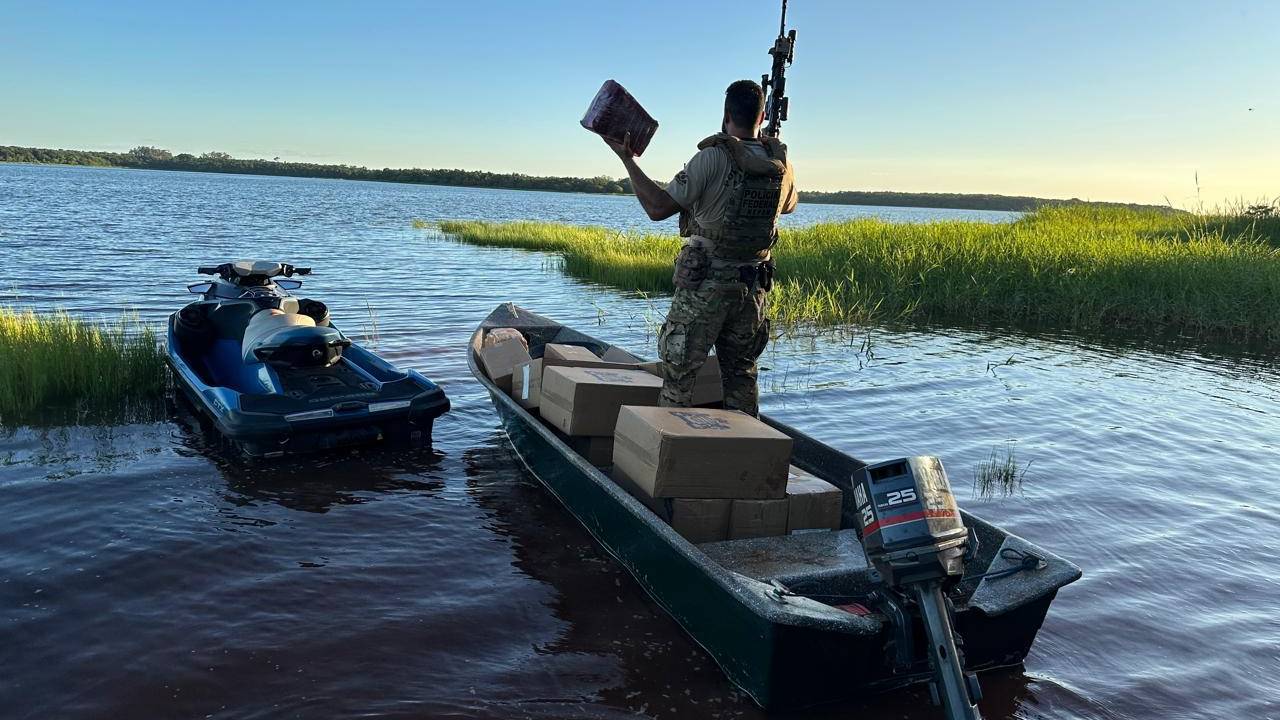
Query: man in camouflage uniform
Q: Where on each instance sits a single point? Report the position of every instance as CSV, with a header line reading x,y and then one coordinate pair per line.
x,y
729,197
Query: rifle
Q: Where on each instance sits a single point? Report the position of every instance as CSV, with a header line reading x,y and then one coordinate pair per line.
x,y
775,84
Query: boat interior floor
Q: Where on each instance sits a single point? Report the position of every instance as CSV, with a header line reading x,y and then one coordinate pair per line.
x,y
336,381
827,562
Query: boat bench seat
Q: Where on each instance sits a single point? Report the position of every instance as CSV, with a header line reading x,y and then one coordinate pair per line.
x,y
816,562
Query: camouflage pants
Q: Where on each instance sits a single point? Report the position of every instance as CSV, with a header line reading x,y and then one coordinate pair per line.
x,y
723,313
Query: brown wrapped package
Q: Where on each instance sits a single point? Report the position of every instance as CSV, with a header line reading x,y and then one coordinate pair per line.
x,y
499,335
614,113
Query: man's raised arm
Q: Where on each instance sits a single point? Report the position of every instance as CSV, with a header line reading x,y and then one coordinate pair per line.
x,y
657,204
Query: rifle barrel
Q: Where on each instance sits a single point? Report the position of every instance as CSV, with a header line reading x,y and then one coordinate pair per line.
x,y
775,84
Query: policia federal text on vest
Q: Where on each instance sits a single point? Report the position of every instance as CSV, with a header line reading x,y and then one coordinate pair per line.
x,y
748,229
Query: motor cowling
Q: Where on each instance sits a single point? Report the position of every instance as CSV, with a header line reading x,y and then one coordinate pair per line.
x,y
910,525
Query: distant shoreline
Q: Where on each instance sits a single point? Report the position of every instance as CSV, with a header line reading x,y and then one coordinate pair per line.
x,y
147,158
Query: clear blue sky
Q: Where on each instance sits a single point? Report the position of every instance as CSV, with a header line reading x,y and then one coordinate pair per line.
x,y
1124,100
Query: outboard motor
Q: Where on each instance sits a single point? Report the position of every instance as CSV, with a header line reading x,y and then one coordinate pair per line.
x,y
914,537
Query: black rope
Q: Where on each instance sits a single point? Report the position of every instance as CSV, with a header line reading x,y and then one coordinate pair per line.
x,y
1024,560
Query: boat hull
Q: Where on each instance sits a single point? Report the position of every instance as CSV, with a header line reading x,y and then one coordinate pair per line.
x,y
779,664
783,651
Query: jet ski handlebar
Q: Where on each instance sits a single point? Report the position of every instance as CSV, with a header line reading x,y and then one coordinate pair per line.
x,y
228,271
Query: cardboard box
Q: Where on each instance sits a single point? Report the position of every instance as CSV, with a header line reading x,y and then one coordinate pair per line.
x,y
555,355
618,355
698,520
758,518
699,453
585,401
708,385
526,384
597,449
500,361
814,503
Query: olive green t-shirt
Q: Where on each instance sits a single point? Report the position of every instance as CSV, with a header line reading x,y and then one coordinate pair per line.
x,y
702,187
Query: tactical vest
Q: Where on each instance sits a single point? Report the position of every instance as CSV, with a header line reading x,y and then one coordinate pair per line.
x,y
750,226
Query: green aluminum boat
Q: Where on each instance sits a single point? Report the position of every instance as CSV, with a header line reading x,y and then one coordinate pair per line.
x,y
792,620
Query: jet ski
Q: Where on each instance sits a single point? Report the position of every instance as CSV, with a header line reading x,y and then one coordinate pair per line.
x,y
276,377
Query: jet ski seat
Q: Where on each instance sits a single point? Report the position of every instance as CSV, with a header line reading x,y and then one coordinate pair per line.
x,y
285,338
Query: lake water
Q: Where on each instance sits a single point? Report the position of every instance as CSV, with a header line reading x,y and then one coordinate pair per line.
x,y
143,575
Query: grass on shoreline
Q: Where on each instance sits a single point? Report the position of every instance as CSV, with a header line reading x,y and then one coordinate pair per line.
x,y
56,361
1075,268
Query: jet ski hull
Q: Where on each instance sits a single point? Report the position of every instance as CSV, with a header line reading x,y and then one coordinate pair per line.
x,y
266,411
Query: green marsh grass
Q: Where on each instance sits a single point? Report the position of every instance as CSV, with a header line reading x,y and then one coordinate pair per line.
x,y
1000,475
1073,268
55,362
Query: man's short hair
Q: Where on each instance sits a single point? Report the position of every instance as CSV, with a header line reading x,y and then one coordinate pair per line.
x,y
743,102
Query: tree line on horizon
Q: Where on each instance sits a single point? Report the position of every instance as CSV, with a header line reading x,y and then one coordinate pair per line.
x,y
152,158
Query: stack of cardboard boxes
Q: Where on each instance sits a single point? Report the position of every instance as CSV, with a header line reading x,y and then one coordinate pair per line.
x,y
712,474
509,365
577,392
718,474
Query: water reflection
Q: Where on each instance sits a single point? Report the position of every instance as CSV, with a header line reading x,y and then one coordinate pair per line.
x,y
315,483
1244,358
358,477
133,412
61,452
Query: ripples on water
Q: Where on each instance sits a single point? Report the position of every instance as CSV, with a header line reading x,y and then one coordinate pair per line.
x,y
143,575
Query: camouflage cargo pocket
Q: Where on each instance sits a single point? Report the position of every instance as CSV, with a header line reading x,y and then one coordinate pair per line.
x,y
691,268
673,343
